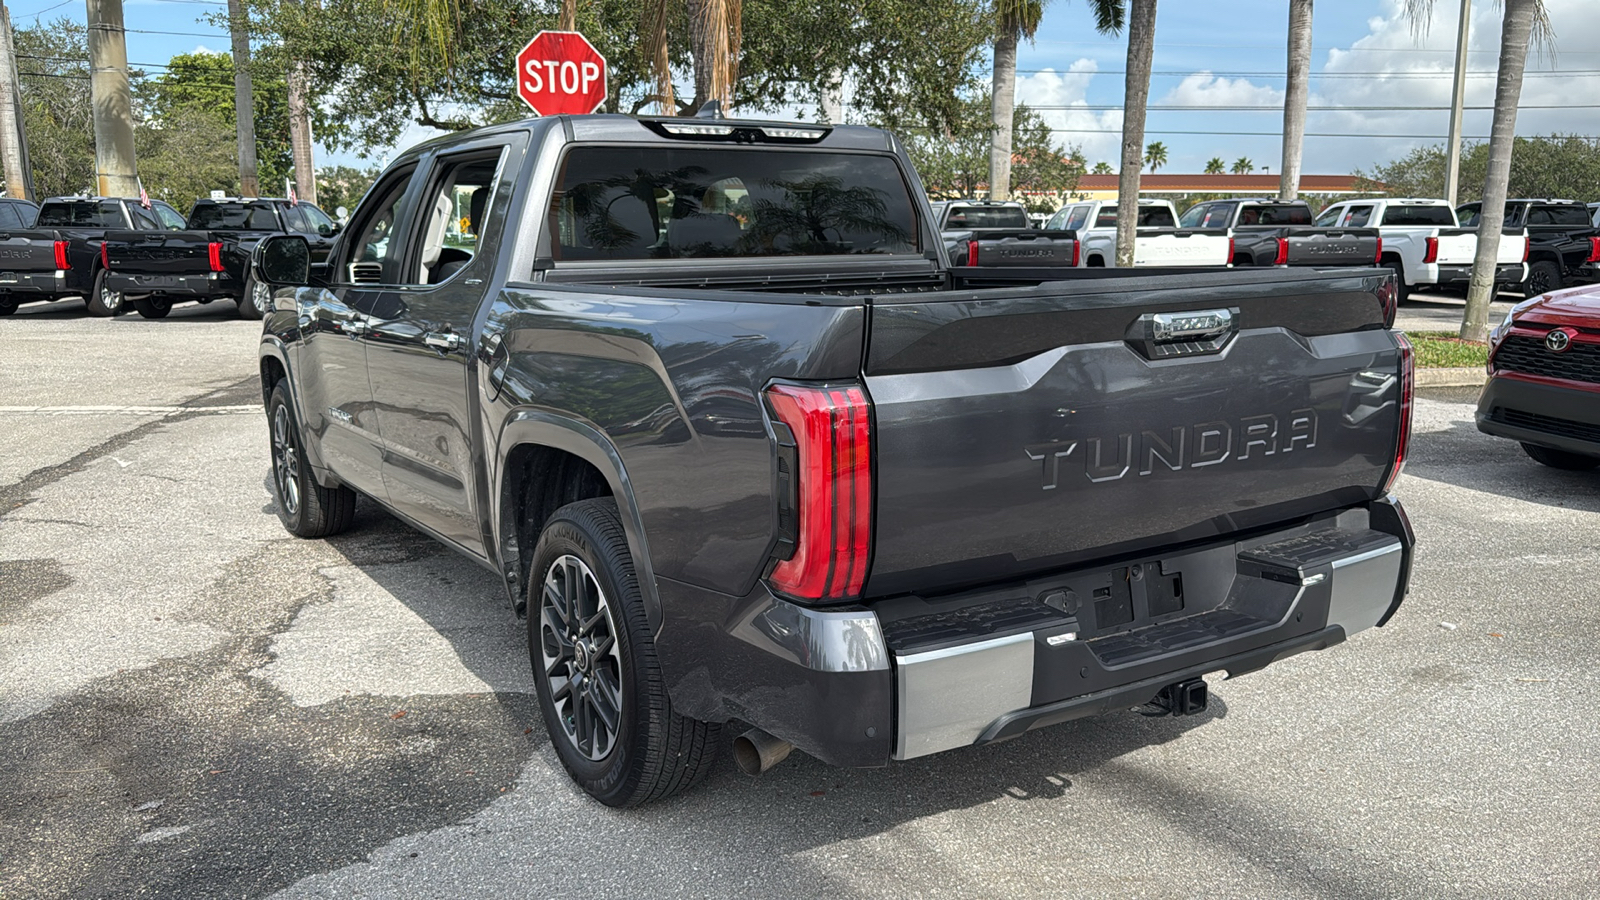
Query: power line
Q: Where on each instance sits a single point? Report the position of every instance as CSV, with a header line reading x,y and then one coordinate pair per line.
x,y
1443,73
1279,109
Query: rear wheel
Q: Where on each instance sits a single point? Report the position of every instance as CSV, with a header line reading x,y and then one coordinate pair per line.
x,y
1402,290
7,307
256,301
599,682
152,307
103,301
1561,459
306,508
1543,277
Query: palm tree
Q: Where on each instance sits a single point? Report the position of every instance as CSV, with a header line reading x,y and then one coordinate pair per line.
x,y
1014,20
1155,155
1243,166
1102,168
1135,97
1294,98
1215,166
1523,21
716,35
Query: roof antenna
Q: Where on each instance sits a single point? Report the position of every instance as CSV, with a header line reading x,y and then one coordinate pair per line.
x,y
712,110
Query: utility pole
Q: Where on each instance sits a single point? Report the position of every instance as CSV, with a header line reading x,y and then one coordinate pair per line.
x,y
244,101
13,141
116,171
1452,165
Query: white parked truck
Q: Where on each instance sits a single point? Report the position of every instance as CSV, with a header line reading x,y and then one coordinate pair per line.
x,y
1423,243
1160,242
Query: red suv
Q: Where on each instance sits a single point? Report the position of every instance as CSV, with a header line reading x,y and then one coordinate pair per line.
x,y
1544,378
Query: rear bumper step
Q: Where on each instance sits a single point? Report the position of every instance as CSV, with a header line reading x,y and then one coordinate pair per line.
x,y
1090,642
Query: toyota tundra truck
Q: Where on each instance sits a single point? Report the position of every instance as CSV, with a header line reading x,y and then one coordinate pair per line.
x,y
1267,232
710,399
1158,242
1424,246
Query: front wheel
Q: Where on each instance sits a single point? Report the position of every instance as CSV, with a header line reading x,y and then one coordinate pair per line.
x,y
1561,459
256,301
1543,277
595,669
152,307
306,508
103,301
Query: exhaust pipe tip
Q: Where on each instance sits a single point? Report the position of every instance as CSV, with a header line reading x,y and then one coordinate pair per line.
x,y
755,751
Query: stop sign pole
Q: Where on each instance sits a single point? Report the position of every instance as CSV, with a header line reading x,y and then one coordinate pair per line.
x,y
559,73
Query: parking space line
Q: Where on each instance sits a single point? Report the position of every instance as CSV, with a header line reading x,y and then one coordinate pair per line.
x,y
124,410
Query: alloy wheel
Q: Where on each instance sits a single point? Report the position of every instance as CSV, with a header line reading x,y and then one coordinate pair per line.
x,y
285,460
582,660
110,300
261,296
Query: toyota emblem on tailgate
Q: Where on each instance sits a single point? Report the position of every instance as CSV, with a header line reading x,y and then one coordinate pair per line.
x,y
1558,340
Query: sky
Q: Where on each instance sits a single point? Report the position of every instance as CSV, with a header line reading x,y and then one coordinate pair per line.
x,y
1210,58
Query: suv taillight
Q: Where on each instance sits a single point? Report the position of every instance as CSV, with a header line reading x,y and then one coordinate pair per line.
x,y
214,251
828,491
1408,387
1594,250
1431,254
1282,259
61,256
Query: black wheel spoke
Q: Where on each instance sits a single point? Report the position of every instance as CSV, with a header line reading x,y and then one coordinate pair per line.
x,y
579,653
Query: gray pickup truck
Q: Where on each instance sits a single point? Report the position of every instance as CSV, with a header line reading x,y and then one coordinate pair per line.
x,y
708,396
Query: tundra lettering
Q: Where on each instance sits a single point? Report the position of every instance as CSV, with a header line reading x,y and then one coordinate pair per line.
x,y
1212,443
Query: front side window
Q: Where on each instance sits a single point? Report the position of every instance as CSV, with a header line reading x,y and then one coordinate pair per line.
x,y
1330,217
683,202
169,217
319,221
295,221
373,256
453,215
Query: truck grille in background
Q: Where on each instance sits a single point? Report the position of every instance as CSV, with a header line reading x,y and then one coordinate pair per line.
x,y
1528,355
1516,418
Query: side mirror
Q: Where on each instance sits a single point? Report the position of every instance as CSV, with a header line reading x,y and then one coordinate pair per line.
x,y
282,260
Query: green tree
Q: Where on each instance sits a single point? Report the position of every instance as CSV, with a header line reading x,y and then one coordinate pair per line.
x,y
1044,169
1564,166
344,186
1155,155
201,86
1523,22
53,60
1215,166
1102,168
1243,166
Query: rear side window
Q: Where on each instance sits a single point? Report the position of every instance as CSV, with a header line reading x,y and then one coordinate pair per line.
x,y
84,213
1330,217
1419,215
169,217
985,217
8,216
1360,217
1468,215
295,220
233,217
1282,215
1559,215
1149,217
1216,215
678,202
1080,215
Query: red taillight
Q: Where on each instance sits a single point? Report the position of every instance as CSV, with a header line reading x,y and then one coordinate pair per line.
x,y
1594,250
1526,246
1389,300
972,253
61,256
1431,254
832,490
105,256
1075,248
1377,258
1230,253
1402,444
214,250
1282,259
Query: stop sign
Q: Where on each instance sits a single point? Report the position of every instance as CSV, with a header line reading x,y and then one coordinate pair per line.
x,y
560,73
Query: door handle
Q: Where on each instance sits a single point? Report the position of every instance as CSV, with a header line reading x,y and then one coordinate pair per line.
x,y
447,341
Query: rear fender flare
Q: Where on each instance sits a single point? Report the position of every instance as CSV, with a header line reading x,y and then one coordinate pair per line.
x,y
583,440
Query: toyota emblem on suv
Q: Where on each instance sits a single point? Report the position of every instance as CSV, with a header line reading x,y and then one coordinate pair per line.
x,y
1558,340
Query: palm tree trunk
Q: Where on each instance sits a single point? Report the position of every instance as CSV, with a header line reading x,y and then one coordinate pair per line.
x,y
1136,95
1294,100
1514,34
305,174
710,43
657,18
1003,101
244,101
569,16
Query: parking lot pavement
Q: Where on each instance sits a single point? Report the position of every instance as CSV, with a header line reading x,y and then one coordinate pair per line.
x,y
1438,311
195,704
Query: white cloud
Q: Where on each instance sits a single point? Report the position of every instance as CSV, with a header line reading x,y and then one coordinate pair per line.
x,y
1059,98
1206,89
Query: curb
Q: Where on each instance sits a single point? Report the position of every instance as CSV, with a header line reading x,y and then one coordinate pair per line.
x,y
1462,376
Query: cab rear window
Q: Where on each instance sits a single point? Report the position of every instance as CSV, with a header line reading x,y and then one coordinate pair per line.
x,y
961,217
677,202
87,214
1419,215
233,217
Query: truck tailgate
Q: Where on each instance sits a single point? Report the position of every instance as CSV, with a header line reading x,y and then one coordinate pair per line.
x,y
158,252
1181,247
1459,247
1022,247
1049,427
32,250
1334,247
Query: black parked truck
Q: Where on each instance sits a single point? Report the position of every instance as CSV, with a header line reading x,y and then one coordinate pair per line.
x,y
998,233
1280,233
60,252
207,260
1563,244
709,397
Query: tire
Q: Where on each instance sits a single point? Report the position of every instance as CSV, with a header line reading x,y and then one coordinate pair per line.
x,y
152,307
1561,459
7,307
595,656
103,302
256,300
1543,277
1402,290
306,508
